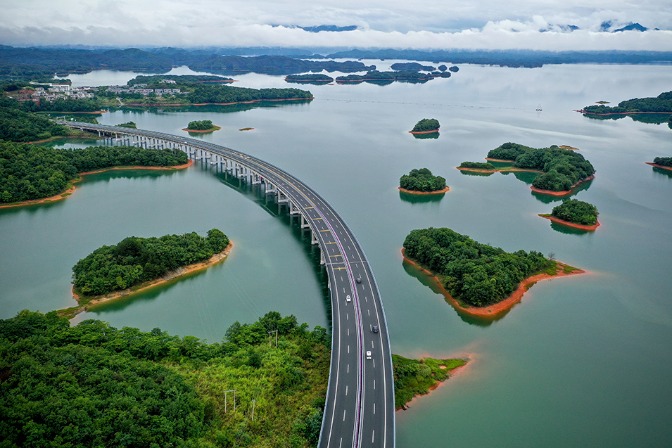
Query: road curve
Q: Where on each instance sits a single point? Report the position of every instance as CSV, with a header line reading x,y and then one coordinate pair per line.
x,y
359,408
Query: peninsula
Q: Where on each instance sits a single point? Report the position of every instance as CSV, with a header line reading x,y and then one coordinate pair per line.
x,y
662,162
574,213
53,172
662,104
415,377
135,264
478,279
422,181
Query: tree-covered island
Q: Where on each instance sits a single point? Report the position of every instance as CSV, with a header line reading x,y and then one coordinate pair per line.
x,y
650,110
32,174
201,126
136,263
561,169
476,278
574,213
422,181
662,162
426,126
479,167
310,78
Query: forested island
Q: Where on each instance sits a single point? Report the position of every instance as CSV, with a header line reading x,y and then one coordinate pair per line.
x,y
662,162
477,278
426,126
414,377
422,181
388,77
650,110
574,213
561,169
30,173
134,261
19,125
201,126
312,78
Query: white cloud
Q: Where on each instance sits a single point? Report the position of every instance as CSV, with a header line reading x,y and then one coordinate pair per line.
x,y
382,23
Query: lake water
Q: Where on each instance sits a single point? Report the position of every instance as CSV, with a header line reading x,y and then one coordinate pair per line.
x,y
582,361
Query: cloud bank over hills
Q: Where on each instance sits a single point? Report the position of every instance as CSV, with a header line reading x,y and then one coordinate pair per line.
x,y
487,24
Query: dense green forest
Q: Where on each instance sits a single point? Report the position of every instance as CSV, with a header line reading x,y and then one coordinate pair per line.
x,y
228,94
383,78
562,168
426,124
416,377
136,260
661,103
475,273
128,124
200,125
478,165
17,125
64,105
663,161
578,212
313,78
33,172
422,180
95,385
159,81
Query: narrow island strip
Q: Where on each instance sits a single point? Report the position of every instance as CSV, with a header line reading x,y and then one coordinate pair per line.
x,y
656,165
137,264
441,191
416,377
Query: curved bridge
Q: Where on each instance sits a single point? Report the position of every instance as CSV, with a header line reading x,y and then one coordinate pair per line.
x,y
359,408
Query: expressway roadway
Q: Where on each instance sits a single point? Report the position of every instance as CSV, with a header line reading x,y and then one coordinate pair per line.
x,y
359,408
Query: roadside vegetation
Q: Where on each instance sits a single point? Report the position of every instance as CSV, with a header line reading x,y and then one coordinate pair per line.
x,y
96,385
19,125
474,273
422,180
413,377
136,260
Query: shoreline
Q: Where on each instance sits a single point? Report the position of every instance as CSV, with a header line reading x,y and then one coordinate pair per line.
x,y
663,167
590,228
274,100
441,191
71,189
496,309
431,131
563,192
452,372
168,277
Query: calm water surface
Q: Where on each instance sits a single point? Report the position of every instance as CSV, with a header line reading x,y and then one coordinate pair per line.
x,y
583,361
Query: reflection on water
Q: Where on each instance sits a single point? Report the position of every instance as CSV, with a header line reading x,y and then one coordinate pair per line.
x,y
662,171
569,230
547,198
475,173
433,135
420,198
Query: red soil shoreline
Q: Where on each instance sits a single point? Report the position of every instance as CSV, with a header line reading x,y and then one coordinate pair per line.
x,y
442,191
564,192
669,168
203,131
431,131
72,188
500,308
591,228
173,275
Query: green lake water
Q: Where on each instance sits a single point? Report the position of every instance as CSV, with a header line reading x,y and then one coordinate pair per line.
x,y
581,361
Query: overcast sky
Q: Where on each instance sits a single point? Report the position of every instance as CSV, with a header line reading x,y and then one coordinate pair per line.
x,y
424,24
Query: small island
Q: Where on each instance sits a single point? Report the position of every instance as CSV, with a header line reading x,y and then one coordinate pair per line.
x,y
202,126
136,264
477,167
422,181
311,78
426,126
662,162
477,279
414,377
561,170
576,214
128,124
52,172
